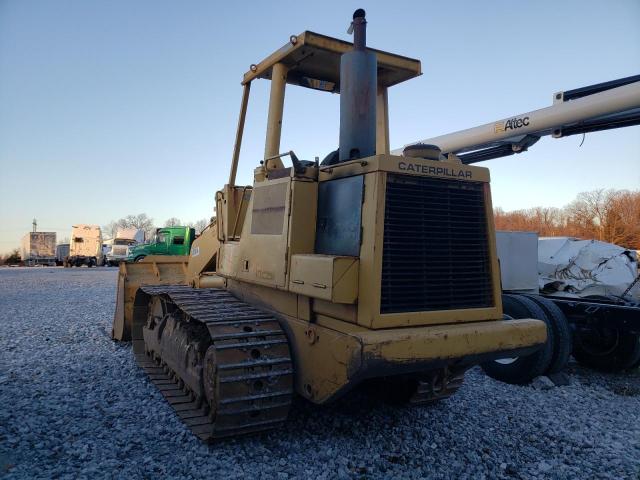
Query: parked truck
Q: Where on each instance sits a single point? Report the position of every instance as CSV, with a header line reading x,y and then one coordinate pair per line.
x,y
62,252
166,241
38,248
585,290
85,247
117,249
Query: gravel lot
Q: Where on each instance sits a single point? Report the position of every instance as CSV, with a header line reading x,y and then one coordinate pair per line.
x,y
73,404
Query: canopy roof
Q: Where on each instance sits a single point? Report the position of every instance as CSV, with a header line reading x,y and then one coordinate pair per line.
x,y
314,62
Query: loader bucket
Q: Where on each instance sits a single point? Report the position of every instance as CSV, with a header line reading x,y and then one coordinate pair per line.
x,y
152,270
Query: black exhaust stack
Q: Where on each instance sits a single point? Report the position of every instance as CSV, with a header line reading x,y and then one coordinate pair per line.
x,y
358,91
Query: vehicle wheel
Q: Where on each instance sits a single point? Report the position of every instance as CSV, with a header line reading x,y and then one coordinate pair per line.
x,y
91,262
521,370
562,335
139,258
607,349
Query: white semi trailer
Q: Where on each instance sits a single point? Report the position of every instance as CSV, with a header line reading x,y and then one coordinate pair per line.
x,y
85,247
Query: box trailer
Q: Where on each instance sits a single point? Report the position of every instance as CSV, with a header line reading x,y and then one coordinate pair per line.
x,y
38,248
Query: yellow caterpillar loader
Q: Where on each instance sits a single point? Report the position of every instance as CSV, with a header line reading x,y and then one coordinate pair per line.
x,y
320,276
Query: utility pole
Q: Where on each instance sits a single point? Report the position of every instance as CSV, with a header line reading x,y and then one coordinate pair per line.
x,y
35,225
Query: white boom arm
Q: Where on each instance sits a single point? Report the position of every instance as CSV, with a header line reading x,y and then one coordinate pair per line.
x,y
603,106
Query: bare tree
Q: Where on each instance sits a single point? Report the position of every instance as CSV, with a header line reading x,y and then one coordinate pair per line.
x,y
110,229
140,222
622,223
587,214
200,225
172,222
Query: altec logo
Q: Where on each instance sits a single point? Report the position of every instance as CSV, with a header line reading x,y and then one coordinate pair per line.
x,y
511,124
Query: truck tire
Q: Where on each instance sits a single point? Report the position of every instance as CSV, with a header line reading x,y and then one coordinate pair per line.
x,y
521,370
139,258
562,335
607,349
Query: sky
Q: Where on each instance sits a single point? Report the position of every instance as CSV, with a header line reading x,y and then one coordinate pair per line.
x,y
110,108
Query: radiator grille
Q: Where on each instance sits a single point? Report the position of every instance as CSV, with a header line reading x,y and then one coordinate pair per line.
x,y
436,250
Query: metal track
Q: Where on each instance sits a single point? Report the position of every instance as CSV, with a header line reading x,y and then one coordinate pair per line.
x,y
247,370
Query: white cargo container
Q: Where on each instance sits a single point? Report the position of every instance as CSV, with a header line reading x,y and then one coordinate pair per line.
x,y
85,247
518,256
38,248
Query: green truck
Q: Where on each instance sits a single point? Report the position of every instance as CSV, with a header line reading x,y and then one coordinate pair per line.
x,y
166,241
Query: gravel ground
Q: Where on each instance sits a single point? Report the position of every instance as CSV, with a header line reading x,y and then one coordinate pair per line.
x,y
73,404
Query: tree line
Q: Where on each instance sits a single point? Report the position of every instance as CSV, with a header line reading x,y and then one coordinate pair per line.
x,y
608,215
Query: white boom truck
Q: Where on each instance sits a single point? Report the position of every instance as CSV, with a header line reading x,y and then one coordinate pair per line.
x,y
603,331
